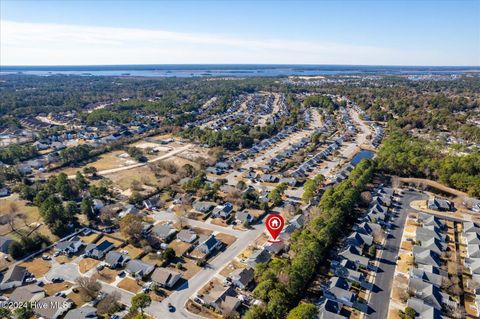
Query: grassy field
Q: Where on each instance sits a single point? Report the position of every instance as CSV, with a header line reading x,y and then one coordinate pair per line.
x,y
53,288
124,179
27,217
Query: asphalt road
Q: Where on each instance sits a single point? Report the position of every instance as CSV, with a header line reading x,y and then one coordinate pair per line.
x,y
380,297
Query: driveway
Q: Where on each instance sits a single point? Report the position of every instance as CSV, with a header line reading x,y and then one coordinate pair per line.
x,y
68,272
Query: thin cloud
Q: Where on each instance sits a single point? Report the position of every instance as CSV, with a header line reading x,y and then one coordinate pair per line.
x,y
57,44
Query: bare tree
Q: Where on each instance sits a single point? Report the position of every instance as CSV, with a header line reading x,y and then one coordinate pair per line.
x,y
90,285
109,303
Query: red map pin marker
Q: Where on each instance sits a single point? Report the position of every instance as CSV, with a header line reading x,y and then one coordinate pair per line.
x,y
274,223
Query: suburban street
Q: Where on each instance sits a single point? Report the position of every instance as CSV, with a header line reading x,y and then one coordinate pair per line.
x,y
380,297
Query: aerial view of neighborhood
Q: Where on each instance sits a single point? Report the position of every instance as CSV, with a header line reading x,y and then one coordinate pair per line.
x,y
255,191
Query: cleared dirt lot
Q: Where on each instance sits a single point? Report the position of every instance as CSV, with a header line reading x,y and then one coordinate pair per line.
x,y
106,274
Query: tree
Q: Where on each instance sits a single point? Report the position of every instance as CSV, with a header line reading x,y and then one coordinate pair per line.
x,y
86,207
16,250
131,227
24,312
303,311
90,285
81,181
256,312
372,251
109,304
90,171
168,254
135,198
5,313
140,301
410,312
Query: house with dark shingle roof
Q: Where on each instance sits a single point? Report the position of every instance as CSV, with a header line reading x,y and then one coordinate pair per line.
x,y
115,259
29,293
330,309
187,236
5,243
244,217
14,277
69,247
206,245
52,307
139,269
164,277
258,256
98,251
85,312
164,232
242,278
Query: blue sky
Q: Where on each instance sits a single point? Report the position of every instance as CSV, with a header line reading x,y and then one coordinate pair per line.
x,y
407,32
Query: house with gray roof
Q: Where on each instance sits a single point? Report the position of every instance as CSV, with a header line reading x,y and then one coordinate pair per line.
x,y
429,232
348,270
70,246
423,310
339,290
471,227
298,221
187,236
429,293
244,217
439,204
5,243
258,256
473,251
223,211
98,251
85,312
426,256
139,269
206,245
353,254
165,277
242,278
359,240
203,207
430,220
367,228
29,293
330,309
115,259
432,278
14,277
472,238
52,307
128,210
164,232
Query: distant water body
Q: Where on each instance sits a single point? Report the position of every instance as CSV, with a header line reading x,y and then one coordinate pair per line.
x,y
230,70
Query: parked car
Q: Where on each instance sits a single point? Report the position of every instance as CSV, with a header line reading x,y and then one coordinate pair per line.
x,y
171,308
57,279
46,257
100,267
30,280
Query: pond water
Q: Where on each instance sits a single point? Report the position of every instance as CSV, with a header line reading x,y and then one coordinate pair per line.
x,y
361,155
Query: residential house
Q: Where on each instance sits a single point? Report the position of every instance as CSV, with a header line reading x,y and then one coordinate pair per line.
x,y
223,299
165,278
85,312
347,269
52,307
359,240
353,254
5,243
426,256
429,293
339,289
206,245
164,232
115,259
128,210
422,309
330,309
242,278
203,207
427,276
139,269
98,251
439,204
4,192
223,211
14,277
258,256
70,246
29,293
430,220
187,236
473,251
298,221
244,217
